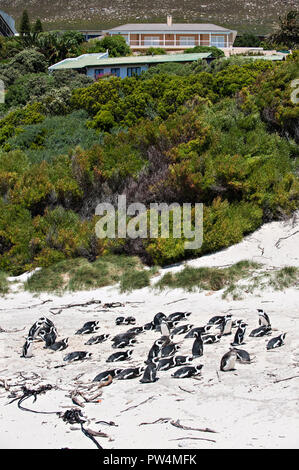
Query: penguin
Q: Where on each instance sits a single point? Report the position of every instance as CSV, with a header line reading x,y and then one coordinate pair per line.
x,y
158,318
149,326
263,318
122,343
228,361
200,329
97,339
239,336
217,320
226,326
130,373
130,321
164,328
180,330
210,339
27,348
136,330
261,331
40,323
166,363
150,373
155,351
77,356
178,316
49,337
197,348
243,356
88,328
119,320
166,340
187,371
120,356
103,376
171,324
236,323
180,360
276,342
169,350
60,345
122,336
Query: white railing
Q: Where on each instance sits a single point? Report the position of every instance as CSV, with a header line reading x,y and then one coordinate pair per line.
x,y
173,43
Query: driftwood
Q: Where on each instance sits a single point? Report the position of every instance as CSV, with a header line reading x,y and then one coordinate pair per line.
x,y
288,378
160,420
73,416
284,238
135,406
177,424
58,310
175,301
194,438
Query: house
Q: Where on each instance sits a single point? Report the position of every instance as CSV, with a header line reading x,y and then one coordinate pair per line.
x,y
101,65
7,25
173,36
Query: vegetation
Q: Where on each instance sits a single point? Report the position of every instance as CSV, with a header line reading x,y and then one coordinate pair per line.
x,y
79,274
4,285
224,134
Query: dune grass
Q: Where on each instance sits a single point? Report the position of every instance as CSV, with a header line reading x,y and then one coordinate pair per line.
x,y
4,285
79,274
191,279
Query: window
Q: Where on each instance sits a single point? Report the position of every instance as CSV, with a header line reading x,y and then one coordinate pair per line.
x,y
218,41
187,41
98,73
116,72
152,41
133,71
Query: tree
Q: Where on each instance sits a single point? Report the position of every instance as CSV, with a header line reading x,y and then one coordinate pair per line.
x,y
287,32
202,49
38,27
116,46
25,27
247,40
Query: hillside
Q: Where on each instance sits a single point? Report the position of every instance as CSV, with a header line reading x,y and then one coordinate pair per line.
x,y
253,16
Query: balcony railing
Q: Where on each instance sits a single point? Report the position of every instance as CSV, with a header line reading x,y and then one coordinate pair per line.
x,y
174,43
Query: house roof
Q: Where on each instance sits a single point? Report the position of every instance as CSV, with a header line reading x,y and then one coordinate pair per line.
x,y
93,60
163,27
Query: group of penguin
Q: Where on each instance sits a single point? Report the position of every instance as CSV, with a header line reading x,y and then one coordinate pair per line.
x,y
162,355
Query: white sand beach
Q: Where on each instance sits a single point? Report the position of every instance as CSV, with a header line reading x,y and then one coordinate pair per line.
x,y
252,407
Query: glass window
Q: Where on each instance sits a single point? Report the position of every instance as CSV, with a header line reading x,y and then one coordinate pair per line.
x,y
187,41
218,41
133,71
98,73
116,72
152,41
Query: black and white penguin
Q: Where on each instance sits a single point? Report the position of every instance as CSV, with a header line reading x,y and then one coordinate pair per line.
x,y
217,320
122,343
122,336
88,328
155,351
42,322
264,320
210,339
27,347
180,360
178,316
97,339
60,345
170,350
276,342
49,337
237,323
228,361
166,340
164,328
136,330
172,324
120,356
77,356
166,363
150,373
197,348
119,320
180,330
130,321
187,371
239,336
243,356
200,329
261,331
103,376
149,326
226,326
130,373
158,318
